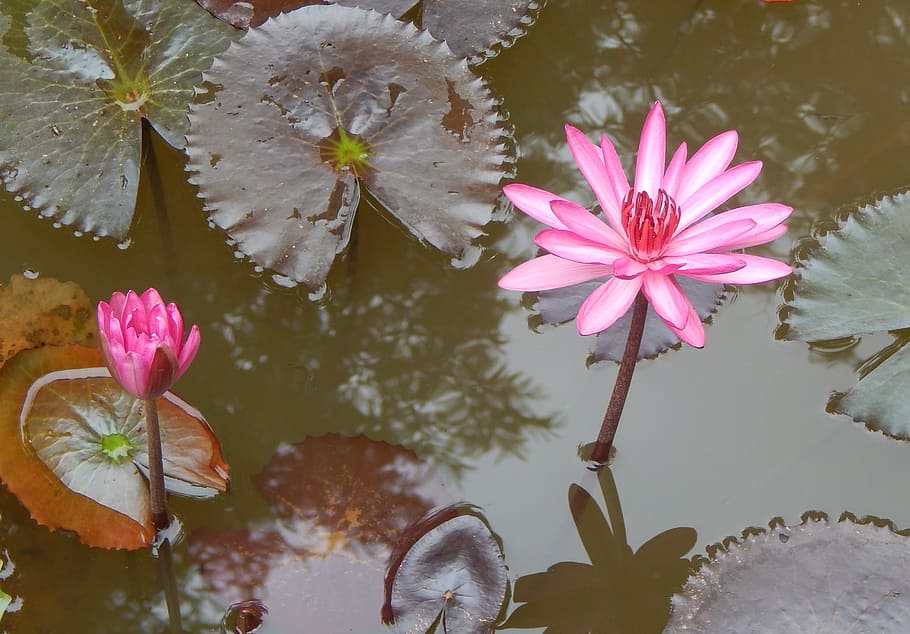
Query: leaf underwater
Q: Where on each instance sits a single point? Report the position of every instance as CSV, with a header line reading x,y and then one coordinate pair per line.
x,y
51,457
71,106
561,305
841,291
454,574
477,29
43,312
818,576
436,143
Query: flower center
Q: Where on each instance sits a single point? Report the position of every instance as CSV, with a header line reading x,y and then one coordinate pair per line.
x,y
649,225
116,447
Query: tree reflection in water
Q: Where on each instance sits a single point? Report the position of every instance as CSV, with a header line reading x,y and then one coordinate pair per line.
x,y
619,592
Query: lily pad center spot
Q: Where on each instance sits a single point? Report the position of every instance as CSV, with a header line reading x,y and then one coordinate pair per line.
x,y
116,447
343,150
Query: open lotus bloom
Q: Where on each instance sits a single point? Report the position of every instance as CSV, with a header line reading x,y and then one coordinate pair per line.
x,y
142,342
651,232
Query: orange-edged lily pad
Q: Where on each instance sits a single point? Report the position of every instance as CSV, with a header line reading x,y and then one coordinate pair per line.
x,y
73,450
43,311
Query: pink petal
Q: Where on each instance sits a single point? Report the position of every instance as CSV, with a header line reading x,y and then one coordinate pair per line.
x,y
649,167
694,331
708,163
582,222
118,300
763,216
673,175
590,161
752,240
756,271
666,298
534,202
717,191
606,304
708,263
626,268
151,298
570,246
549,271
188,350
617,179
702,237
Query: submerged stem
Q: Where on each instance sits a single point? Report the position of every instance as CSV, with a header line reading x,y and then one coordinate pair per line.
x,y
601,453
156,467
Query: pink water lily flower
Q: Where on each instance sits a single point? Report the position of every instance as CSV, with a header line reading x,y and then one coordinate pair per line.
x,y
142,342
652,231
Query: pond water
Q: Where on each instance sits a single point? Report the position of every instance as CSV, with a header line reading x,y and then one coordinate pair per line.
x,y
409,351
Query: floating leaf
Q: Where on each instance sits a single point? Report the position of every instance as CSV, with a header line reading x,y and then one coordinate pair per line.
x,y
817,576
78,78
562,304
472,28
841,291
328,99
454,575
340,503
619,591
41,312
76,453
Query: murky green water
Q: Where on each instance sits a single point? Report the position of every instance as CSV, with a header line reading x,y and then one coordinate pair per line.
x,y
407,350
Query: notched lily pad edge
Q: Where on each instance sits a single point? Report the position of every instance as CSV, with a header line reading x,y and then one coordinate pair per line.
x,y
724,546
507,40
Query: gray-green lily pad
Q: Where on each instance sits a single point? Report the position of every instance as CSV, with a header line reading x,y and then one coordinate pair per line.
x,y
453,578
476,29
818,576
852,283
323,101
561,305
78,78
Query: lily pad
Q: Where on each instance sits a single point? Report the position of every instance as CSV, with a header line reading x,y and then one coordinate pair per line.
x,y
453,575
619,591
818,576
78,78
841,291
561,305
43,311
74,452
477,29
321,102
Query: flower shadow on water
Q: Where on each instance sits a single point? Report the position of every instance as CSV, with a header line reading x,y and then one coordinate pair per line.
x,y
620,591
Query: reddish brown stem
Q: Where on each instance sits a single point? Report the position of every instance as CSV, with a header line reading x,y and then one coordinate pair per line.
x,y
156,467
601,453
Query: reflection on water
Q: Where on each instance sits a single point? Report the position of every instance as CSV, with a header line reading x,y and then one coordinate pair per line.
x,y
619,592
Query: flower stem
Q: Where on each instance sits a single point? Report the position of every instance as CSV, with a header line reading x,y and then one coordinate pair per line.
x,y
156,467
601,453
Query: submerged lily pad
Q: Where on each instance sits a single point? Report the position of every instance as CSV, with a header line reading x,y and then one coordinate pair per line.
x,y
453,575
561,305
619,591
477,29
852,283
818,576
78,78
325,100
73,447
41,312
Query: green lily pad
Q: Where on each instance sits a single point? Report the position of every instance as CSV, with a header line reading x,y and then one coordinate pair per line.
x,y
853,283
619,591
321,102
818,576
561,305
452,578
73,447
477,29
79,77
